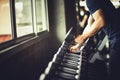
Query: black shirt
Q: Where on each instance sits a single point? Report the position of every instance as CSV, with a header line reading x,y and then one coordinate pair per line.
x,y
112,27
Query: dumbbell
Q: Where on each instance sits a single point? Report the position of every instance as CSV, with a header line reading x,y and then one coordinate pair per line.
x,y
70,35
70,63
70,55
66,56
67,60
61,61
54,68
67,76
68,70
57,71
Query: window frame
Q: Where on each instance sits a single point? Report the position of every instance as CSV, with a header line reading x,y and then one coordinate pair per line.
x,y
16,40
45,13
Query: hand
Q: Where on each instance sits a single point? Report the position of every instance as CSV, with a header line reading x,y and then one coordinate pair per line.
x,y
79,40
75,48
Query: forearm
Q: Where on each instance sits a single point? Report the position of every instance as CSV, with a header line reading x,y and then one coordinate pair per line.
x,y
89,31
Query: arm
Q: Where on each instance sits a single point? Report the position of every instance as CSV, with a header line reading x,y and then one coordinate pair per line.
x,y
95,23
82,23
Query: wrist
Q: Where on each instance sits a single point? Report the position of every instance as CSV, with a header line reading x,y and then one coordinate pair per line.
x,y
80,39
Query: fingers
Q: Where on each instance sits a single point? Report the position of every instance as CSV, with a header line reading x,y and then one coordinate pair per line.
x,y
75,48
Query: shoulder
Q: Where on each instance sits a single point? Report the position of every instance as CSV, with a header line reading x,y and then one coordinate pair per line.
x,y
90,2
94,5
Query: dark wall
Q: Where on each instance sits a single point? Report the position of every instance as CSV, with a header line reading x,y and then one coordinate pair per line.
x,y
70,12
28,60
57,21
26,64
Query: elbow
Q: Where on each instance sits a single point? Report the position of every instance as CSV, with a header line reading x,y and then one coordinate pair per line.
x,y
102,23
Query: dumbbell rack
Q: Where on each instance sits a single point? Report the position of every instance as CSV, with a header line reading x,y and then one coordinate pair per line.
x,y
71,66
64,65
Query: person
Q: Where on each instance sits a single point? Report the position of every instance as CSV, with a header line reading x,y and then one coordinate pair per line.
x,y
82,18
103,16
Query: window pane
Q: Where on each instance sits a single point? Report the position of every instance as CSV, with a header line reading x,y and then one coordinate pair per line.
x,y
41,15
23,17
5,21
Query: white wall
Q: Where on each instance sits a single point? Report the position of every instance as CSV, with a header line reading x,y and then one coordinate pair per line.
x,y
5,22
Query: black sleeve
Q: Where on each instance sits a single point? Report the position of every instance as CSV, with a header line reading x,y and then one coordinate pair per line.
x,y
93,5
87,13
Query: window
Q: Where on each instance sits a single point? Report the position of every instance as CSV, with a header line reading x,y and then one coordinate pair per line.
x,y
27,12
21,18
41,15
24,24
5,21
